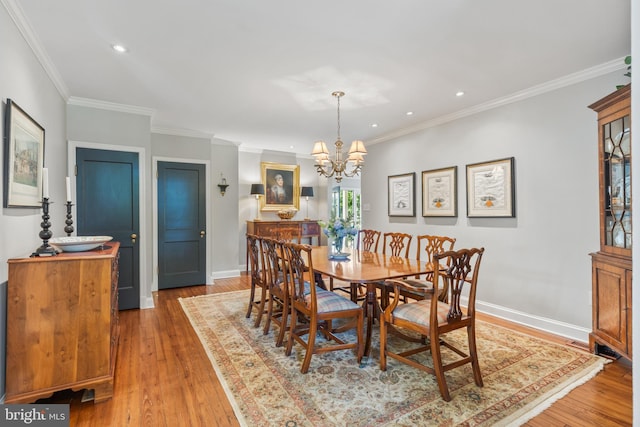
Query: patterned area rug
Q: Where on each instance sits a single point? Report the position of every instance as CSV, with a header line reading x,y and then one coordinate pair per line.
x,y
522,376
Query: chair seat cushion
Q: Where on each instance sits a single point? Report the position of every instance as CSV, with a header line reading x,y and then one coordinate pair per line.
x,y
328,301
419,312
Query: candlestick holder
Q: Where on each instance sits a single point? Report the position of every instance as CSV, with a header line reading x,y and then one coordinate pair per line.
x,y
45,234
69,221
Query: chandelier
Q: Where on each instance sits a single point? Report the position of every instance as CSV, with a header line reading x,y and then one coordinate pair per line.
x,y
328,167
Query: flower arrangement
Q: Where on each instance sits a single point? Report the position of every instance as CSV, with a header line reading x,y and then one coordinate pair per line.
x,y
337,229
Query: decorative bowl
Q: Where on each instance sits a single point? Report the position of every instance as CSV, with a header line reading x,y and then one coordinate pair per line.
x,y
78,243
286,214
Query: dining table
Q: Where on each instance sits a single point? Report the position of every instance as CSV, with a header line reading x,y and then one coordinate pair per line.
x,y
369,269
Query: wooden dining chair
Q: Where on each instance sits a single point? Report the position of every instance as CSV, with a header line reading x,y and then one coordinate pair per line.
x,y
314,309
433,318
428,246
258,278
278,308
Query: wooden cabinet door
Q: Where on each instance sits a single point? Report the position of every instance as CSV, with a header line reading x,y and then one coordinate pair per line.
x,y
611,305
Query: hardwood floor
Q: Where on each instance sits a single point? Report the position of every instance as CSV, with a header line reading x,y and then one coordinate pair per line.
x,y
164,377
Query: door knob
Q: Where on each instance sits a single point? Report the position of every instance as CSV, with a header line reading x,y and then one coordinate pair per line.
x,y
134,236
202,233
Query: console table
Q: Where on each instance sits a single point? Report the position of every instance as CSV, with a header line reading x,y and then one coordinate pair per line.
x,y
286,229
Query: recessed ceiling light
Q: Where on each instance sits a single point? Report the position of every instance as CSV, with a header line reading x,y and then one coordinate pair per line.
x,y
374,125
119,48
459,93
409,113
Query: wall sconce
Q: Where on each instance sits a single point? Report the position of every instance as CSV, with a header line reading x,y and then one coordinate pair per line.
x,y
223,185
307,192
257,190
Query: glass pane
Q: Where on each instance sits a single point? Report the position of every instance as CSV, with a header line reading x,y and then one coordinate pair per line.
x,y
618,235
616,130
625,144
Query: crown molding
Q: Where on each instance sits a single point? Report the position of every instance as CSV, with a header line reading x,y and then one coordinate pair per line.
x,y
112,106
182,132
30,36
571,79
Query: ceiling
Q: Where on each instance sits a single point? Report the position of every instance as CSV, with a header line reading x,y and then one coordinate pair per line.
x,y
260,73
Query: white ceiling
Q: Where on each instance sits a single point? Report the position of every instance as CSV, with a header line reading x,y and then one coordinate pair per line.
x,y
260,73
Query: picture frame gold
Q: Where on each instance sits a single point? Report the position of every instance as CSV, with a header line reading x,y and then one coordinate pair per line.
x,y
23,158
281,186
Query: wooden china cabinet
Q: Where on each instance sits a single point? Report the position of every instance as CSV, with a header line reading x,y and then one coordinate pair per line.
x,y
611,265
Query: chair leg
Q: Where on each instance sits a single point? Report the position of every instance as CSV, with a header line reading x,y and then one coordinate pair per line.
x,y
263,300
360,335
251,297
473,353
283,323
383,344
438,370
267,325
292,325
311,345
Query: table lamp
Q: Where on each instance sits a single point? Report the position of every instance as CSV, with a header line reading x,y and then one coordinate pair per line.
x,y
307,192
257,190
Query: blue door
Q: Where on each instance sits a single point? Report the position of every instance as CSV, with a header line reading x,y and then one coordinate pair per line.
x,y
108,205
181,225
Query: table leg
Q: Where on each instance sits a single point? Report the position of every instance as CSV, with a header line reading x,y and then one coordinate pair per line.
x,y
370,312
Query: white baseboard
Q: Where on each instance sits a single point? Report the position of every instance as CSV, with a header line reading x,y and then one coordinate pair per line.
x,y
556,327
223,275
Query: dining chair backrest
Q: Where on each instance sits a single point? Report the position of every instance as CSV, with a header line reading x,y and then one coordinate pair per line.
x,y
462,267
259,285
278,308
368,240
298,271
396,244
254,249
429,245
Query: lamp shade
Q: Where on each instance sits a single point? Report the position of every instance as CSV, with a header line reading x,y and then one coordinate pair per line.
x,y
257,189
306,191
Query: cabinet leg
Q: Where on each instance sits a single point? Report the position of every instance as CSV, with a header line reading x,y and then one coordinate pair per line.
x,y
103,392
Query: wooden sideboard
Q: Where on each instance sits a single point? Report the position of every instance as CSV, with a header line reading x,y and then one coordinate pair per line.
x,y
286,229
62,324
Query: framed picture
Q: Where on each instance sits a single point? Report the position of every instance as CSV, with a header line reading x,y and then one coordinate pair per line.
x,y
281,187
402,195
23,158
490,189
439,192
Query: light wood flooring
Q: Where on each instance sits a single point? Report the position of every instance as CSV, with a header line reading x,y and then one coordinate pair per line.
x,y
164,377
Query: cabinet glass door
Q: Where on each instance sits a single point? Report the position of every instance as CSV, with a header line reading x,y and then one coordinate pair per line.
x,y
617,182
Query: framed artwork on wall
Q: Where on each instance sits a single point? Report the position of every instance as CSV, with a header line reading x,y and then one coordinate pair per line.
x,y
439,192
281,187
490,189
23,158
401,191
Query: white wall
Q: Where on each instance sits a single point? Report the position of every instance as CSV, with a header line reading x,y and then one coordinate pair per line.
x,y
26,83
536,268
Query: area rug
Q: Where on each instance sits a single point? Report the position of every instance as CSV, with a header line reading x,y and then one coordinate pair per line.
x,y
522,376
